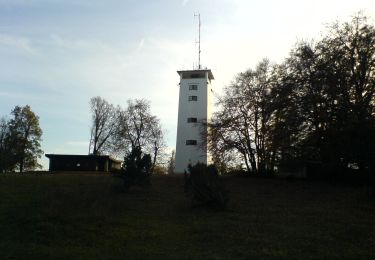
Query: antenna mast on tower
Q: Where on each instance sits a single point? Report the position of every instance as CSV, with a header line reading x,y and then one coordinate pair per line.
x,y
199,40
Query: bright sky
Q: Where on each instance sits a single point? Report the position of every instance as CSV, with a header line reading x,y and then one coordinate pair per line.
x,y
57,54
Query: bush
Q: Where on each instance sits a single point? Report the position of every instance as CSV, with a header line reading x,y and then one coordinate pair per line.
x,y
204,187
136,169
159,170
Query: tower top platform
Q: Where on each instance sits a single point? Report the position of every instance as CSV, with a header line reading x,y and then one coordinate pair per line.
x,y
190,74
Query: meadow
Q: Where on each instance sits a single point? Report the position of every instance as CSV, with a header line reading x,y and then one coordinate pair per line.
x,y
88,216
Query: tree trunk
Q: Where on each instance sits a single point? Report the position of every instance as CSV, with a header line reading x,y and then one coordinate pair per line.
x,y
21,164
246,163
154,159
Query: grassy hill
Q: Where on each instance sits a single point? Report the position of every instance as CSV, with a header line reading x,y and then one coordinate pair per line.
x,y
85,216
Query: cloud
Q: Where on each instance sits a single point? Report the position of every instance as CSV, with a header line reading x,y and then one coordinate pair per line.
x,y
84,45
140,45
10,3
17,42
78,143
21,96
184,2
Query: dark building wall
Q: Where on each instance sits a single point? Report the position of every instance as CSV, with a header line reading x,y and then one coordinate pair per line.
x,y
81,163
114,165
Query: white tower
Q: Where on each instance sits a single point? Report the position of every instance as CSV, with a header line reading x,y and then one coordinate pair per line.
x,y
194,107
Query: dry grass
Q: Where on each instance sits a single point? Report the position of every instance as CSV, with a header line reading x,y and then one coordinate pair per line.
x,y
80,216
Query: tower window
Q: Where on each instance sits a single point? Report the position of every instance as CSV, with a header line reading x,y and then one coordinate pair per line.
x,y
191,142
192,120
197,75
193,87
193,98
193,75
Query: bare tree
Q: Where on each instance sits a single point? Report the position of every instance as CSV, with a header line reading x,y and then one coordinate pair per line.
x,y
157,142
172,162
104,123
241,125
138,128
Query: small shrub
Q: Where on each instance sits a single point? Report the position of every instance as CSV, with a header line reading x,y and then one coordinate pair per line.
x,y
136,169
203,186
159,170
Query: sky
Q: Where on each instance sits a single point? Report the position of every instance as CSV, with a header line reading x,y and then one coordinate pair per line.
x,y
57,54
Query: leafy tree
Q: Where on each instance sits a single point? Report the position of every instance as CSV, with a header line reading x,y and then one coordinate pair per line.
x,y
318,105
5,159
297,102
136,168
104,123
24,139
347,66
203,186
334,82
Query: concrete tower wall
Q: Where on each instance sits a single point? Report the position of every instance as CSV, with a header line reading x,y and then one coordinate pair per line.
x,y
194,104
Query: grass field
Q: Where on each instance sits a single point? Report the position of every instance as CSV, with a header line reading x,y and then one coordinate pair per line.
x,y
89,217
